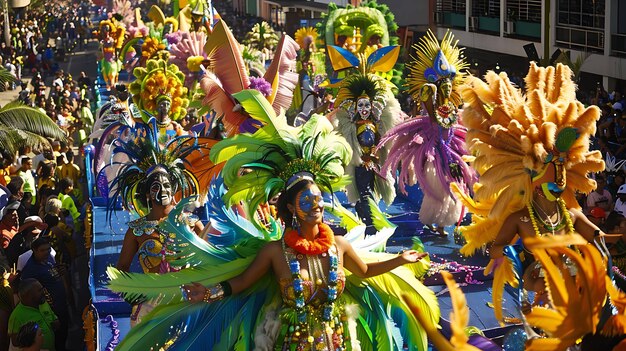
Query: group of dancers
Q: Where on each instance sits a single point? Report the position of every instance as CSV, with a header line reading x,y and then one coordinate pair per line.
x,y
267,272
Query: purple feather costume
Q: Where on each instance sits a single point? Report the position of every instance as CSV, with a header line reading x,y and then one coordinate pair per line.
x,y
431,156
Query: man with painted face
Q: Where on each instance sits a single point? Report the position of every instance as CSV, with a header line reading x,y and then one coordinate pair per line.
x,y
168,128
144,235
531,150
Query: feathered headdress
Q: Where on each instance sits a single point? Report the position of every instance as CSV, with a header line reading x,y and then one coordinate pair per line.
x,y
159,80
436,61
515,136
277,152
116,31
358,86
145,157
230,77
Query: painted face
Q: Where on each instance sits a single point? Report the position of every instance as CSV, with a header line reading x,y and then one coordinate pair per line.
x,y
364,108
164,110
550,183
446,88
310,204
161,190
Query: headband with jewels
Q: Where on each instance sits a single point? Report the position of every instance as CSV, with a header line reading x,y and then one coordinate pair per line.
x,y
159,80
278,156
436,61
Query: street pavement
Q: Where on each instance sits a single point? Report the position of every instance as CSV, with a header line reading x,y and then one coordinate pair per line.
x,y
85,60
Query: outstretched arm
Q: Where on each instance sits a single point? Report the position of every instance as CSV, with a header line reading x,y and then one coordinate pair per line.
x,y
354,264
196,292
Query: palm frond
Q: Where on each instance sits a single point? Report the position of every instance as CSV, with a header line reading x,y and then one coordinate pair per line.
x,y
5,77
16,115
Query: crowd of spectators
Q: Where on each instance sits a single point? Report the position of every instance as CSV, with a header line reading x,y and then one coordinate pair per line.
x,y
41,223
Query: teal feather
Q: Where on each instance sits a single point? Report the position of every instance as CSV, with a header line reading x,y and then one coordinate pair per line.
x,y
384,334
166,287
200,326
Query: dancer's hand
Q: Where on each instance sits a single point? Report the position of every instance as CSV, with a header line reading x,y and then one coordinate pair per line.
x,y
412,256
193,292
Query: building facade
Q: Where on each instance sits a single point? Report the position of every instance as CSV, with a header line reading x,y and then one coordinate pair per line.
x,y
536,28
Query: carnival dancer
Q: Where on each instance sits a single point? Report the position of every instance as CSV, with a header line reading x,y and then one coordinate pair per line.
x,y
429,149
112,38
366,109
148,183
532,155
159,92
307,302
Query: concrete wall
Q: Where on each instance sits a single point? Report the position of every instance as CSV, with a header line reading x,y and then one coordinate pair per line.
x,y
409,13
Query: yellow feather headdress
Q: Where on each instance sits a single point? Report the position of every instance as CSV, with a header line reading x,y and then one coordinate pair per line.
x,y
159,80
513,136
435,61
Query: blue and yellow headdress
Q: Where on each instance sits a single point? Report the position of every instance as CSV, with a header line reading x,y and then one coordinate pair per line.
x,y
436,61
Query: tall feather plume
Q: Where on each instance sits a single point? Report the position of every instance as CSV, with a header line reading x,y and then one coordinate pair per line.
x,y
223,51
281,74
511,135
222,103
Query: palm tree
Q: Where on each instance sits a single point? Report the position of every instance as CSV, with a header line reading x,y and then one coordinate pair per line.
x,y
22,125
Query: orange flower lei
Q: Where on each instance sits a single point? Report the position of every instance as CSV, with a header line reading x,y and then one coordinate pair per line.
x,y
320,245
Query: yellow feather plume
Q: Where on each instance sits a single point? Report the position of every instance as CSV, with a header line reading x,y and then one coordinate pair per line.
x,y
576,302
511,134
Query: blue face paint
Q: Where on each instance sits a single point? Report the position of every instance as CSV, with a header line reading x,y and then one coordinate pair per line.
x,y
308,200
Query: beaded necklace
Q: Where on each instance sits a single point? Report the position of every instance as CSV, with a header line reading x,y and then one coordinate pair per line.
x,y
568,218
301,309
560,224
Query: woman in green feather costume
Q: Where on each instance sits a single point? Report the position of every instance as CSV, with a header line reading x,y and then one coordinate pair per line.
x,y
310,289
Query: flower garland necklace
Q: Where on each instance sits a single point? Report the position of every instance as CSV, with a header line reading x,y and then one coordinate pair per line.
x,y
568,218
321,244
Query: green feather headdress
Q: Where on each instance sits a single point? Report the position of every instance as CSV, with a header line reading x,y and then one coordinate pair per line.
x,y
275,153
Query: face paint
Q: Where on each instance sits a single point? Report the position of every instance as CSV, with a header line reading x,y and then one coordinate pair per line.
x,y
446,88
308,200
364,107
161,190
551,181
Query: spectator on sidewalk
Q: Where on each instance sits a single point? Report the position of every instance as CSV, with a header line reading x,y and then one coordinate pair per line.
x,y
34,308
9,223
41,266
26,173
21,242
600,197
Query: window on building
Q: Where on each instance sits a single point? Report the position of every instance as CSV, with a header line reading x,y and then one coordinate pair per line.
x,y
523,10
486,8
581,13
455,6
580,25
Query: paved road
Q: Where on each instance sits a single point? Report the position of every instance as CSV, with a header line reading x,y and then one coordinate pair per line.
x,y
74,63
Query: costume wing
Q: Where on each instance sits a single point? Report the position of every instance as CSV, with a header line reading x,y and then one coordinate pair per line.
x,y
389,289
227,324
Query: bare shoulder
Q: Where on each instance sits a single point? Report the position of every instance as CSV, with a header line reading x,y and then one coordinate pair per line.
x,y
342,243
